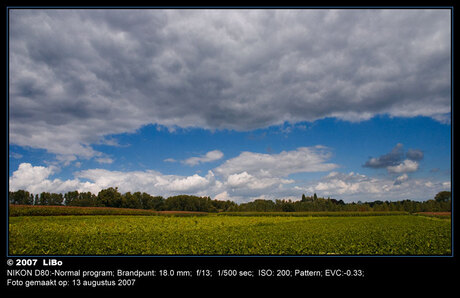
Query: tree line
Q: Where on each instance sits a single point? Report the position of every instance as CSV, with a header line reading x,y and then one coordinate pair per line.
x,y
441,203
111,197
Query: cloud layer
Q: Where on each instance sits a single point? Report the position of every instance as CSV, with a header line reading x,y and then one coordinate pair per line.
x,y
240,187
246,177
355,186
242,177
77,76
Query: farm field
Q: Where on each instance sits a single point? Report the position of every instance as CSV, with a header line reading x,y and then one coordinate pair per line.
x,y
229,235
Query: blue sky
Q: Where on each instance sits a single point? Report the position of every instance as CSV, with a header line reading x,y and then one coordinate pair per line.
x,y
232,104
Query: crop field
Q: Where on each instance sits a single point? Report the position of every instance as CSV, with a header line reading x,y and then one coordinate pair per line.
x,y
229,235
27,210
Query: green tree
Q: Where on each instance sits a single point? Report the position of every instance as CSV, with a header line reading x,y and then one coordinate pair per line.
x,y
443,196
151,202
71,198
110,197
21,197
55,199
129,200
87,199
44,199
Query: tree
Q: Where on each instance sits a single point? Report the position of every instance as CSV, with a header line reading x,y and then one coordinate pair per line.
x,y
45,198
443,196
150,202
88,199
129,200
71,198
110,197
55,199
21,197
304,199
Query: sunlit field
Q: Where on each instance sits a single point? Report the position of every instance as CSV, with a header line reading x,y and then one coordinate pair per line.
x,y
229,235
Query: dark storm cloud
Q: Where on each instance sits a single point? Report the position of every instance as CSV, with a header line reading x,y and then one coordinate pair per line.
x,y
78,75
414,154
390,159
395,161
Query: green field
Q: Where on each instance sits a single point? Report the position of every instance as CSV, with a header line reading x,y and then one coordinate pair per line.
x,y
229,235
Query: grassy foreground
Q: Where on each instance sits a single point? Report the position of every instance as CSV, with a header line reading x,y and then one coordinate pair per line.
x,y
229,235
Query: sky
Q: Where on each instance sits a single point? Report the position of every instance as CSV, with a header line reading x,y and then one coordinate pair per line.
x,y
235,104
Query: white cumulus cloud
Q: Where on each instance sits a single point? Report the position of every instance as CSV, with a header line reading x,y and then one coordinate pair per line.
x,y
239,187
208,157
36,179
355,186
401,179
104,160
245,180
405,167
261,165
